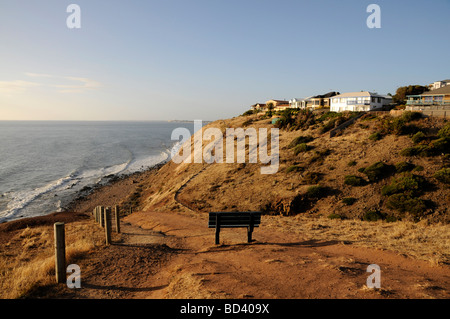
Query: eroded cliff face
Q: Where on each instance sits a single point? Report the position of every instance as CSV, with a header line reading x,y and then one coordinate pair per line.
x,y
311,179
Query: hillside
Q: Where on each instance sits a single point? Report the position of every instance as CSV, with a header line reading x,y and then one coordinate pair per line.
x,y
322,175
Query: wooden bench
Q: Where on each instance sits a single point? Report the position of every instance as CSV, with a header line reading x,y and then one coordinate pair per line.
x,y
248,220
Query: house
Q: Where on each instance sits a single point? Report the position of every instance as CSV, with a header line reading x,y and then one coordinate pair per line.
x,y
295,103
358,101
322,101
439,96
313,102
439,84
278,105
259,107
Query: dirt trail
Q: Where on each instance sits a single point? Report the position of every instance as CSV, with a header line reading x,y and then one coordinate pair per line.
x,y
172,255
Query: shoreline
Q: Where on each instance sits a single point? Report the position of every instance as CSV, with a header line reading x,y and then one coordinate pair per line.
x,y
83,197
114,190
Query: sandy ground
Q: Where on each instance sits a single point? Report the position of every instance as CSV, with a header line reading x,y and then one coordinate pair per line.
x,y
172,255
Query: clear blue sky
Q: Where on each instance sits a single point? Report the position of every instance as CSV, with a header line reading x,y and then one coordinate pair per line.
x,y
208,59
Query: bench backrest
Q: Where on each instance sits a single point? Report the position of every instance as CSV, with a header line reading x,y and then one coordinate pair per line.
x,y
234,219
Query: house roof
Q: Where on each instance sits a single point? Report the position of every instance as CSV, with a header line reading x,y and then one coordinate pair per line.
x,y
442,91
359,94
325,96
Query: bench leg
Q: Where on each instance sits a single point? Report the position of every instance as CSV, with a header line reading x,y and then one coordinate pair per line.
x,y
217,235
249,235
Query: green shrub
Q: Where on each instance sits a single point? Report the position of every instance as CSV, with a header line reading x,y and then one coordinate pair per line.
x,y
378,171
418,137
300,140
354,180
293,168
445,131
391,219
400,125
335,216
349,200
440,146
374,215
418,150
361,169
249,112
316,192
404,167
406,204
446,161
443,175
408,184
376,136
351,163
418,168
312,177
301,148
409,116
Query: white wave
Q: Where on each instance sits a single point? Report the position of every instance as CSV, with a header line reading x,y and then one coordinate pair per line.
x,y
146,162
19,200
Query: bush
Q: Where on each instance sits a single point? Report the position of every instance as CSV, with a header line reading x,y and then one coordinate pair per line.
x,y
408,184
443,175
351,163
378,171
440,146
409,116
301,148
418,137
249,112
354,180
316,192
445,131
446,161
419,150
312,177
400,126
376,136
349,200
293,168
373,215
300,140
404,167
436,147
335,216
406,204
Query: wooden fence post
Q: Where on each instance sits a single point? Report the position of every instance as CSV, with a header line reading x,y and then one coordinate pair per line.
x,y
117,218
107,219
102,216
60,252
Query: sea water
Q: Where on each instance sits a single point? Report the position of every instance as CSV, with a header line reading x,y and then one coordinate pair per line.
x,y
44,164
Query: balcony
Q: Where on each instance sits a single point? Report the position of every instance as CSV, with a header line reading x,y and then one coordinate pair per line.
x,y
355,102
427,103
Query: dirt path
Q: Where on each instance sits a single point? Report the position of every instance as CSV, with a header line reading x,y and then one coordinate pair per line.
x,y
172,255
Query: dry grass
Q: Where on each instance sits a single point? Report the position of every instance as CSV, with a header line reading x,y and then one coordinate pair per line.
x,y
27,260
430,242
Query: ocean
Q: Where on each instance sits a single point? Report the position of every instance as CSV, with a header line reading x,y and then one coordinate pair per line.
x,y
44,164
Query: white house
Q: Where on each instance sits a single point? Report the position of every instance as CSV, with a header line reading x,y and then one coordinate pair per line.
x,y
300,103
439,84
358,101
